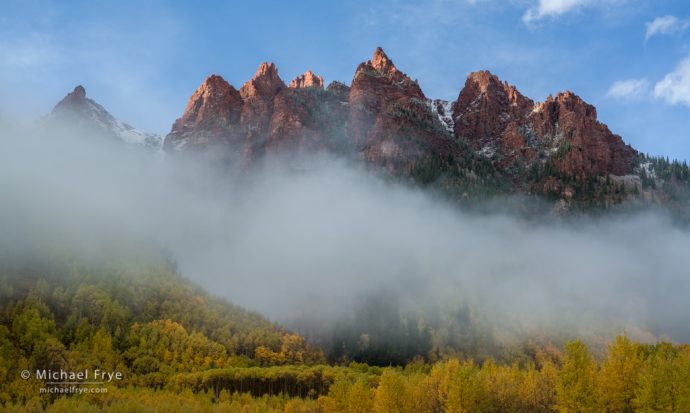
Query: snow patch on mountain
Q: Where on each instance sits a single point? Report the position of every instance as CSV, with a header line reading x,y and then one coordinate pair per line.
x,y
122,130
443,110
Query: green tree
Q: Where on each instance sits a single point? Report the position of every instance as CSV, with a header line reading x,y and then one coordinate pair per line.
x,y
33,326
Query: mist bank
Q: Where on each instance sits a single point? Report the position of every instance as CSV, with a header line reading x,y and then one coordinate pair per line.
x,y
314,245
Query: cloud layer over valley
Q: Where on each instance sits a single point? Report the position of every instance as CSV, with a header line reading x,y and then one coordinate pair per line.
x,y
304,246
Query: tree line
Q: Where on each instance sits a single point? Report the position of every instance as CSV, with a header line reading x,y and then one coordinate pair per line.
x,y
632,377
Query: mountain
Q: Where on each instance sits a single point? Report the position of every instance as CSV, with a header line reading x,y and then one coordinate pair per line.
x,y
84,114
384,116
491,140
390,119
264,116
506,126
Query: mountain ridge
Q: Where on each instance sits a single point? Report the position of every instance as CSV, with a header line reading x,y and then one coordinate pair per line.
x,y
491,139
493,116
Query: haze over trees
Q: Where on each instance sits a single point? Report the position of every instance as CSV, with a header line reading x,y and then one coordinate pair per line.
x,y
181,349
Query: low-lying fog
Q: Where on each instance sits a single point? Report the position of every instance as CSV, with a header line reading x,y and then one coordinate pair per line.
x,y
306,246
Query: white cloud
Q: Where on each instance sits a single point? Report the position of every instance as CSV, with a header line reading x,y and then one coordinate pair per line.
x,y
630,88
552,8
674,88
666,25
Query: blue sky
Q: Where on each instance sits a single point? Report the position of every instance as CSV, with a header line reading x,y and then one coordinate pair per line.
x,y
142,60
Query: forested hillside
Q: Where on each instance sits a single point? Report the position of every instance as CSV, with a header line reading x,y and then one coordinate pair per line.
x,y
180,349
142,319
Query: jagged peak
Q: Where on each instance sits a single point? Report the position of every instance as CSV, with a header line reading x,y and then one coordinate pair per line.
x,y
564,96
575,103
214,79
486,83
307,79
483,77
486,80
213,84
568,96
75,99
383,71
79,92
214,87
214,101
570,101
266,69
265,82
382,62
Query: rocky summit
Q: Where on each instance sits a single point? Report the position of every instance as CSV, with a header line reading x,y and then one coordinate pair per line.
x,y
86,116
308,79
501,123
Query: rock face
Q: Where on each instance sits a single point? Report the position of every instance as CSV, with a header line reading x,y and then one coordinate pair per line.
x,y
308,79
298,124
210,118
383,117
578,144
306,120
507,127
390,121
489,114
264,117
87,117
258,94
